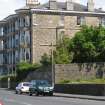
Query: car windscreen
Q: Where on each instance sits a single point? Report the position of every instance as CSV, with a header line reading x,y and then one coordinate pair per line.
x,y
26,84
43,83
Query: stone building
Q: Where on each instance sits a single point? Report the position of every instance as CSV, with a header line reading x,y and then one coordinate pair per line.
x,y
33,29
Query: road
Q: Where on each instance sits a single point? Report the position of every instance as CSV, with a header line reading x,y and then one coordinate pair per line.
x,y
9,98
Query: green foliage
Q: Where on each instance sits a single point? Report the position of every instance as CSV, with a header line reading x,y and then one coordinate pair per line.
x,y
24,68
88,45
45,60
64,81
83,81
62,54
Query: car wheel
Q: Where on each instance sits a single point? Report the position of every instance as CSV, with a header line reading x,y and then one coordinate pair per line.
x,y
16,92
51,94
44,94
19,92
30,94
36,93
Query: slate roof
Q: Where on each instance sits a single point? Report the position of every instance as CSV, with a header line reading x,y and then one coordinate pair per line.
x,y
62,6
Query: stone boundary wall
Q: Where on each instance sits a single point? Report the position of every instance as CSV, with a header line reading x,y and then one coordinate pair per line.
x,y
43,73
83,89
69,72
79,71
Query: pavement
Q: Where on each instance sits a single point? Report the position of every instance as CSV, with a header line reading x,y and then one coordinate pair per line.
x,y
97,98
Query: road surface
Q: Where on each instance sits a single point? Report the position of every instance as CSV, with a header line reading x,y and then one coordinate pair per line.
x,y
9,98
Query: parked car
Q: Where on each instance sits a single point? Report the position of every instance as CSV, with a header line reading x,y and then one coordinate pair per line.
x,y
22,87
40,87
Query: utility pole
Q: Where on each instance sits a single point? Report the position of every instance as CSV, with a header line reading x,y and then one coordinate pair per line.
x,y
52,65
8,80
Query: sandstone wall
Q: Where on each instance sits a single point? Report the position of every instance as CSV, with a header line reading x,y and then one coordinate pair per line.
x,y
47,28
43,35
79,71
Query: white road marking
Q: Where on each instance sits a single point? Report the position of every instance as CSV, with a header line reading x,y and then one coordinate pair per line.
x,y
27,104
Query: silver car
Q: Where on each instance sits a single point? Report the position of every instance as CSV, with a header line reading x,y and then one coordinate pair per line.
x,y
22,87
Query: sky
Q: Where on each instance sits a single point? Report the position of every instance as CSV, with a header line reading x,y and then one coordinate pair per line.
x,y
7,7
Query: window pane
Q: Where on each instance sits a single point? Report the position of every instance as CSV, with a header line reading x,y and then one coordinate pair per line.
x,y
81,20
27,21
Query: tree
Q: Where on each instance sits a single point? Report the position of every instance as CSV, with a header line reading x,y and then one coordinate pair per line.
x,y
62,54
45,60
88,45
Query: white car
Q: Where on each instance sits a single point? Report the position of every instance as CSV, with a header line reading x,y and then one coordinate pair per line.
x,y
22,87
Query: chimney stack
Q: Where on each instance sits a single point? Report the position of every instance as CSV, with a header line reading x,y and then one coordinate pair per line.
x,y
70,5
32,3
53,4
90,5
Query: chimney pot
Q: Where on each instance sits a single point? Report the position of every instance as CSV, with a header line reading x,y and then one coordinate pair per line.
x,y
53,4
70,5
90,5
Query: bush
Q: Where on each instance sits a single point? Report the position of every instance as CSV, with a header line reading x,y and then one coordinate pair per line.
x,y
83,81
65,82
24,68
45,60
62,55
